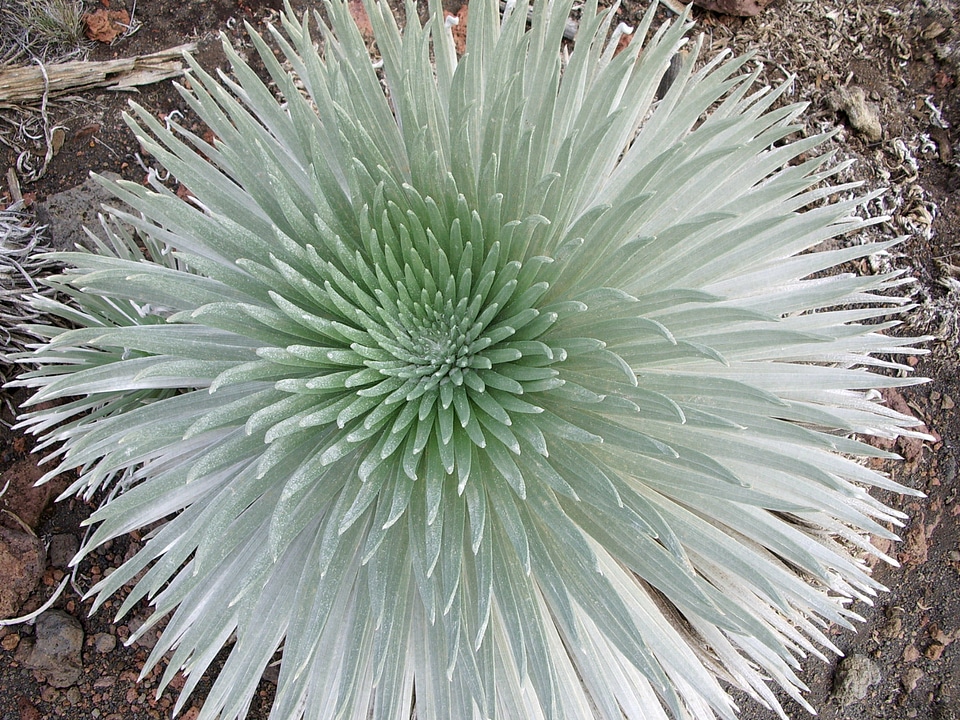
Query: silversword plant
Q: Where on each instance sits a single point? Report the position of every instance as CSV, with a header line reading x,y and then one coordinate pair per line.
x,y
495,384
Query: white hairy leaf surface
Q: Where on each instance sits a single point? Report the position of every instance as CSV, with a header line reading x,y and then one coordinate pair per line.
x,y
492,383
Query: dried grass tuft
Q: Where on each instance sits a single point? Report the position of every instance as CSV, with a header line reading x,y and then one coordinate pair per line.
x,y
45,30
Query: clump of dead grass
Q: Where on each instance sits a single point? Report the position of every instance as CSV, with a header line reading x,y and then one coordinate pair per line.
x,y
45,30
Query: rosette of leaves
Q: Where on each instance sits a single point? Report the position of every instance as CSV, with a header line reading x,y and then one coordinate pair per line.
x,y
493,383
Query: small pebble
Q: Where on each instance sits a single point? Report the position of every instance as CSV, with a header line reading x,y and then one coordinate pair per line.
x,y
104,642
863,115
854,676
910,678
63,547
893,628
27,710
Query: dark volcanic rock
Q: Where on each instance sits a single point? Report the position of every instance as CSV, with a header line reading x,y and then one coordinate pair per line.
x,y
63,547
56,652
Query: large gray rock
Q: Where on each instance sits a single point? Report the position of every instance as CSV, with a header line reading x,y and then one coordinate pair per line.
x,y
56,651
67,213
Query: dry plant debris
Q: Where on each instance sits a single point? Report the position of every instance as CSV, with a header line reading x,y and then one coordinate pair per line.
x,y
31,84
744,8
105,25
